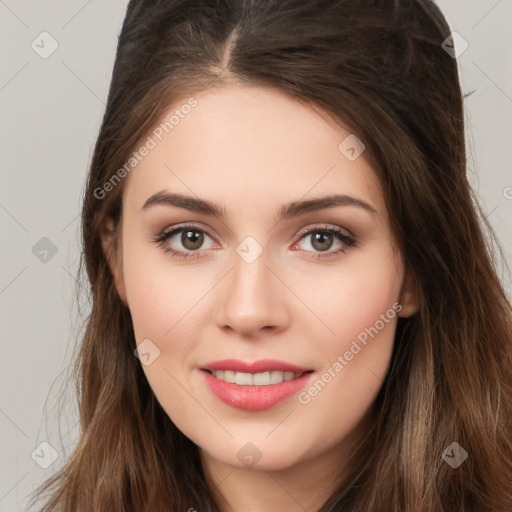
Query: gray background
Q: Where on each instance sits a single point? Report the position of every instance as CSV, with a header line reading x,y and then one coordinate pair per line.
x,y
51,111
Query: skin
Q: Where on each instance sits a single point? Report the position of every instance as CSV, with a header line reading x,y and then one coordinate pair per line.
x,y
253,149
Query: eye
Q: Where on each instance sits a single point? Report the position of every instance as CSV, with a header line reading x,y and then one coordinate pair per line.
x,y
191,239
322,239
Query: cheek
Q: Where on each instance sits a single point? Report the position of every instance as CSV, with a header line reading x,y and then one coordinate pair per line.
x,y
164,308
355,363
160,293
359,312
352,298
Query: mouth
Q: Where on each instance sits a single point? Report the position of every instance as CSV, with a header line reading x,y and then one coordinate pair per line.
x,y
255,386
255,379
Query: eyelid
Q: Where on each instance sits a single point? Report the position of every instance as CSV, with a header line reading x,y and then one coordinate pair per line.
x,y
325,226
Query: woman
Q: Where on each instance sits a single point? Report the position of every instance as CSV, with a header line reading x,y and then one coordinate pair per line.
x,y
294,306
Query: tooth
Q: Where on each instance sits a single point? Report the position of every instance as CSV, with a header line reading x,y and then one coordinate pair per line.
x,y
229,376
261,379
245,379
255,379
276,377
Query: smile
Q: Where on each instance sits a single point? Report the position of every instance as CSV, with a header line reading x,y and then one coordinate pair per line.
x,y
254,379
255,391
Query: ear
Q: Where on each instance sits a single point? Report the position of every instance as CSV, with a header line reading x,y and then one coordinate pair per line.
x,y
409,295
113,255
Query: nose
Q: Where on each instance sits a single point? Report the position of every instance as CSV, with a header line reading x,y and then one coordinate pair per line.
x,y
252,298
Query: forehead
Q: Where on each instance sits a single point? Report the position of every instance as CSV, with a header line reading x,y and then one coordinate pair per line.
x,y
249,145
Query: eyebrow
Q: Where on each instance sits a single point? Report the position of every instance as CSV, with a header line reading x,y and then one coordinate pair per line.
x,y
288,211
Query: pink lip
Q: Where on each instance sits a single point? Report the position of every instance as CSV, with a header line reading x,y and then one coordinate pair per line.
x,y
265,365
254,398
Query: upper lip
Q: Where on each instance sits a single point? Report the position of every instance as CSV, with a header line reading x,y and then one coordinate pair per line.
x,y
264,365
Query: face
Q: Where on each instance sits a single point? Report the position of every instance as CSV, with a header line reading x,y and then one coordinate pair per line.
x,y
315,291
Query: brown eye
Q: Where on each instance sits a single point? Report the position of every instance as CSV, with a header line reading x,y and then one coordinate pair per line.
x,y
192,240
321,240
324,239
183,241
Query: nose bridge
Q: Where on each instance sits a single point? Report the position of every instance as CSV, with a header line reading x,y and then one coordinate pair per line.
x,y
253,296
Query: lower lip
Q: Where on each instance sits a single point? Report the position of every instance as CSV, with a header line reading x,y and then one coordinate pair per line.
x,y
255,398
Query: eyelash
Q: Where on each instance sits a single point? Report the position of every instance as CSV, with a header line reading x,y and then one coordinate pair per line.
x,y
165,235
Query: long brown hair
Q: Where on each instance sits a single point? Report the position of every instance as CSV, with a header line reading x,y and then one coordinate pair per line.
x,y
379,67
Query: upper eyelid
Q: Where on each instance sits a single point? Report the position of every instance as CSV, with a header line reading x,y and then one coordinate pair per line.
x,y
178,228
325,226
